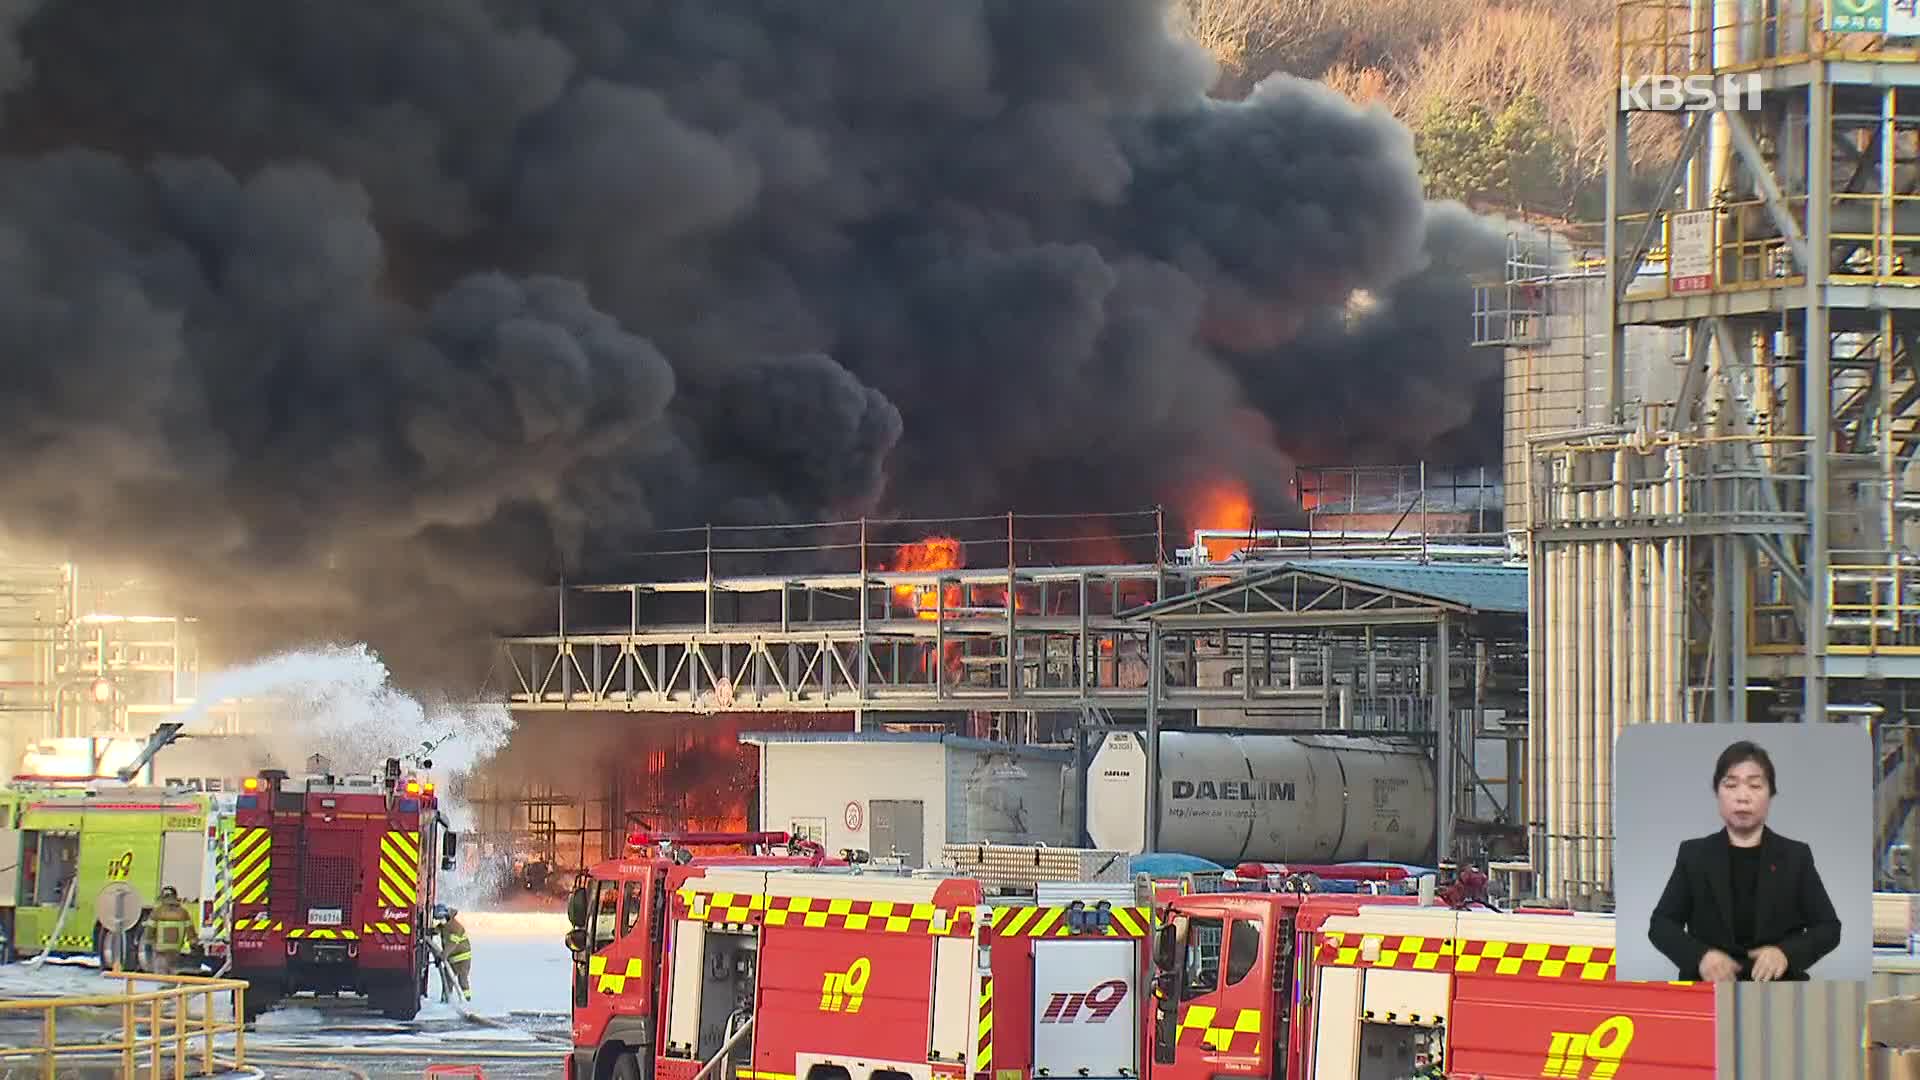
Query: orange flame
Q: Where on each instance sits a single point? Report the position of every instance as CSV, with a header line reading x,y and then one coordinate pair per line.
x,y
930,553
1223,505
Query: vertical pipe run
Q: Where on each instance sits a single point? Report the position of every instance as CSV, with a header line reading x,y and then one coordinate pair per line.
x,y
1742,574
1444,744
1562,735
1723,628
1579,745
1817,392
1153,737
1620,615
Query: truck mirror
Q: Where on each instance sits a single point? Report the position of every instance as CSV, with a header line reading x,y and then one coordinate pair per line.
x,y
577,907
1165,948
577,940
449,847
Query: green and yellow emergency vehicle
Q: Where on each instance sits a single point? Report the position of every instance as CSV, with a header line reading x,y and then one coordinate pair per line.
x,y
69,842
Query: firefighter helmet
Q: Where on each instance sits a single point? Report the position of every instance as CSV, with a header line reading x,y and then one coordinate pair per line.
x,y
169,893
441,913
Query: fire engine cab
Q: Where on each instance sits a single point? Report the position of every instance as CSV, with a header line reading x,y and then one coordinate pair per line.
x,y
744,970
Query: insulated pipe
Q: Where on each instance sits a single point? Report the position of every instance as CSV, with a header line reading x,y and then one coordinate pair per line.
x,y
1577,747
1677,600
1563,720
1622,645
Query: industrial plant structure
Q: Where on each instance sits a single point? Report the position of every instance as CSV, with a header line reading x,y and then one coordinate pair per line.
x,y
1727,537
1062,630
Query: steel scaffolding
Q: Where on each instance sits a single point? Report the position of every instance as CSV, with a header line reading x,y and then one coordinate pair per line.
x,y
1743,547
1082,616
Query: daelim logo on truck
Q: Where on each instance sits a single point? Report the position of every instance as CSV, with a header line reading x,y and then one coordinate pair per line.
x,y
1604,1046
842,991
1097,1005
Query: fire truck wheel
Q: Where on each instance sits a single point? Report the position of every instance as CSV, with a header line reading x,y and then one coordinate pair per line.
x,y
106,948
400,1002
260,999
626,1067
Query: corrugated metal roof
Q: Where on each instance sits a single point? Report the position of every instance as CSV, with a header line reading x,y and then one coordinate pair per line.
x,y
1501,589
926,738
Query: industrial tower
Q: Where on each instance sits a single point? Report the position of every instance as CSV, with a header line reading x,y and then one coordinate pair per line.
x,y
1731,537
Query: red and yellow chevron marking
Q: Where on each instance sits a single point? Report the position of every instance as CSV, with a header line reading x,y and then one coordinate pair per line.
x,y
323,933
399,881
1199,1026
886,916
1125,922
387,929
249,854
1532,959
983,1048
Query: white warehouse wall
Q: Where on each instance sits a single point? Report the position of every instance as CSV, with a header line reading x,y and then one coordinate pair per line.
x,y
815,781
970,791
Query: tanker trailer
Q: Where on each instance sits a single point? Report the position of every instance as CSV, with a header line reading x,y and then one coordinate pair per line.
x,y
1265,798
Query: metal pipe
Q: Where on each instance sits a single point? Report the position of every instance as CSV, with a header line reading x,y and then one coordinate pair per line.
x,y
1817,392
1620,612
1444,744
1676,598
1580,745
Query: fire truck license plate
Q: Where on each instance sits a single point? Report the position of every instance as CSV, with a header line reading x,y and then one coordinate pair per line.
x,y
323,916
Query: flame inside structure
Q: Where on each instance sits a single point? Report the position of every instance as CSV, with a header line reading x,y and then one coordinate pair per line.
x,y
929,553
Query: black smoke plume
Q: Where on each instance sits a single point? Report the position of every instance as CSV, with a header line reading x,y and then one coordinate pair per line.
x,y
359,318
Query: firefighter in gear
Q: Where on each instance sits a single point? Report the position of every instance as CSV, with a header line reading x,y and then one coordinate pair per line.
x,y
455,947
170,929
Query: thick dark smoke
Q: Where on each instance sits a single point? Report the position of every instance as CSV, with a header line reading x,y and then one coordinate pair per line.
x,y
357,318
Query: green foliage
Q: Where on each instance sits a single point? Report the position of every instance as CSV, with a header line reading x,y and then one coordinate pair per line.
x,y
1514,158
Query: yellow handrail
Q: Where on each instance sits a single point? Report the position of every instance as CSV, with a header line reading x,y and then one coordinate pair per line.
x,y
167,1030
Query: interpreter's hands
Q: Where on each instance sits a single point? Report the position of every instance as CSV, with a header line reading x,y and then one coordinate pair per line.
x,y
1717,966
1769,963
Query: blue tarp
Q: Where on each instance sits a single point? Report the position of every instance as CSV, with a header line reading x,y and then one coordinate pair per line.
x,y
1169,864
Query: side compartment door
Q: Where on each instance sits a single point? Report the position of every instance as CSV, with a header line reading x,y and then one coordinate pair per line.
x,y
1084,1011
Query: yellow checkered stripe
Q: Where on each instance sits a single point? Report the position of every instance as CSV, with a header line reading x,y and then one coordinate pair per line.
x,y
249,854
1530,959
823,913
983,1046
1126,922
1202,1025
64,942
323,933
399,883
615,982
258,922
720,907
387,928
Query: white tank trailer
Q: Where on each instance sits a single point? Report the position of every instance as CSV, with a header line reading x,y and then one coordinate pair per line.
x,y
1265,798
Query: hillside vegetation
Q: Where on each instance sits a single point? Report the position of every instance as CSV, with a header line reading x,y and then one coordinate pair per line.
x,y
1508,99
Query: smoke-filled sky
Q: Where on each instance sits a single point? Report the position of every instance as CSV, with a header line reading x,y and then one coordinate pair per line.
x,y
351,316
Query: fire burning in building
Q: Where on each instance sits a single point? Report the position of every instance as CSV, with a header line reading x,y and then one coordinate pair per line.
x,y
931,553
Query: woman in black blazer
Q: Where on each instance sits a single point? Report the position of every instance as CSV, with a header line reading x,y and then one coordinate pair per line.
x,y
1744,903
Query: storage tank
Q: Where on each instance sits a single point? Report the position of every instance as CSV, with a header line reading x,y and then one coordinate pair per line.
x,y
1266,798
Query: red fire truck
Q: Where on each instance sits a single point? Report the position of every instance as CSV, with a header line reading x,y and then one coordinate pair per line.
x,y
697,971
331,882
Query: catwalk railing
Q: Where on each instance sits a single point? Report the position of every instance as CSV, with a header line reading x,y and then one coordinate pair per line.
x,y
914,623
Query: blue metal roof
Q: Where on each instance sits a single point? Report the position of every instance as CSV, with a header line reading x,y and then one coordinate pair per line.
x,y
1501,589
860,738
